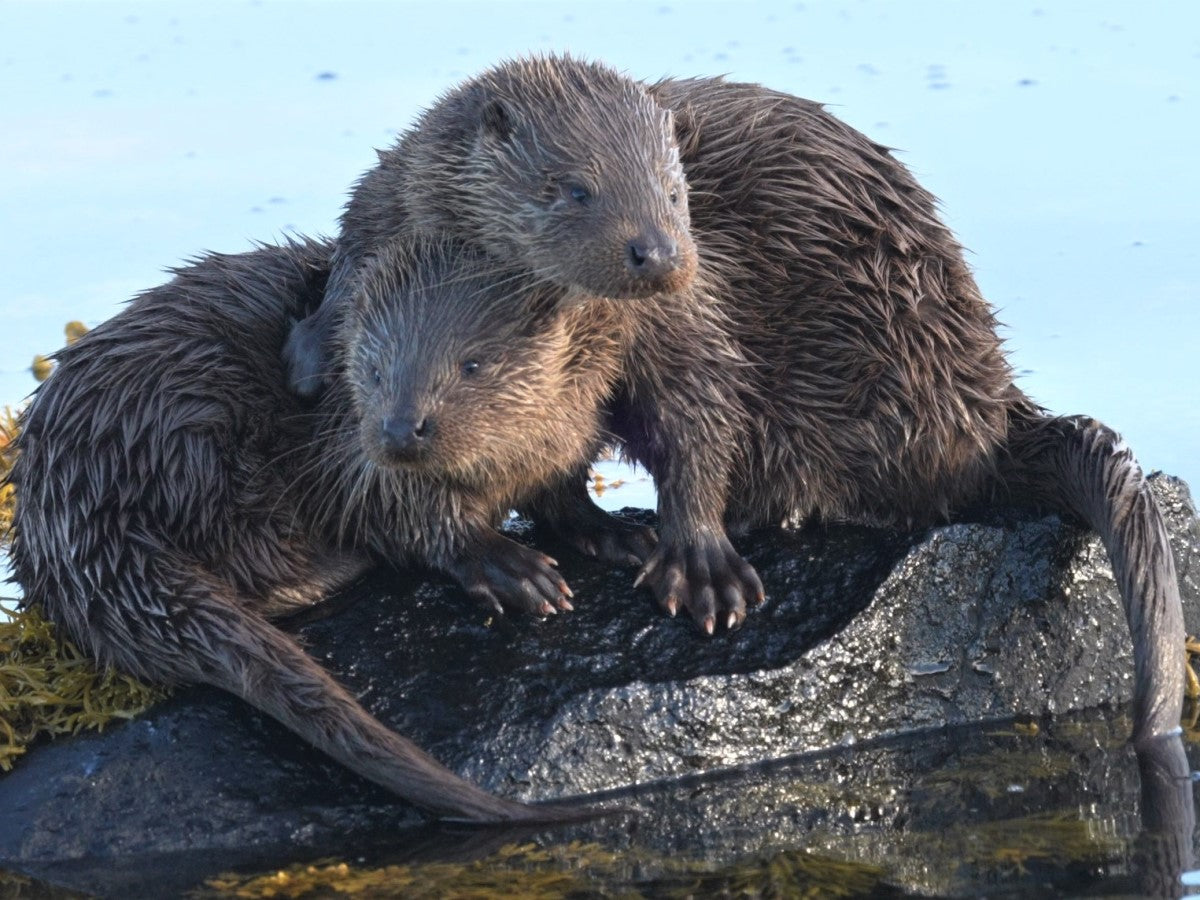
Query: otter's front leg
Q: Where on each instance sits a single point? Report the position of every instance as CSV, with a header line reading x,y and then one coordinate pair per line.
x,y
566,511
694,566
502,575
681,416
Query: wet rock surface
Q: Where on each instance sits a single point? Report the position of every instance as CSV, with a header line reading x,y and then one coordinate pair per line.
x,y
866,634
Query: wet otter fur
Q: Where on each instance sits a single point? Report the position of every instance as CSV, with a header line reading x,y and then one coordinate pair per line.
x,y
878,390
830,356
563,166
173,495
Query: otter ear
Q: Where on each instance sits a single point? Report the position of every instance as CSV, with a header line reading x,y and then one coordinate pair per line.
x,y
683,119
495,119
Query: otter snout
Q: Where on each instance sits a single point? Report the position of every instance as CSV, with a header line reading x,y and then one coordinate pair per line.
x,y
652,255
406,438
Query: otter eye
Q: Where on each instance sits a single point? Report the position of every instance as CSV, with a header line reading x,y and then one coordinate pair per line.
x,y
376,376
470,367
674,197
580,194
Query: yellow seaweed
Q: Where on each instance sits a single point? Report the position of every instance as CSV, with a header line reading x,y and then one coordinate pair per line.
x,y
576,869
49,688
8,455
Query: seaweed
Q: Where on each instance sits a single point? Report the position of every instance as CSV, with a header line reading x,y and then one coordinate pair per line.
x,y
49,688
576,869
8,455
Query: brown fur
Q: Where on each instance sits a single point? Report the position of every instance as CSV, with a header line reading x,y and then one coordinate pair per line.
x,y
830,357
560,165
173,496
878,389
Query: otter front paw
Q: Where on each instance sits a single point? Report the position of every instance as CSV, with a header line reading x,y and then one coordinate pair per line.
x,y
503,575
706,576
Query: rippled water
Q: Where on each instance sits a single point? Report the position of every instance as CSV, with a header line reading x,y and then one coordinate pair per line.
x,y
1060,137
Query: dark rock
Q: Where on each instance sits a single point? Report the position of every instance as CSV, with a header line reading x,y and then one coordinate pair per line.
x,y
866,634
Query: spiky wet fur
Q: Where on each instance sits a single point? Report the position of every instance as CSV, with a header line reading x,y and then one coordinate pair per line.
x,y
831,355
505,151
173,495
877,388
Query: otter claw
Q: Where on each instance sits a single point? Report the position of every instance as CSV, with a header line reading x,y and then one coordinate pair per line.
x,y
504,575
705,576
491,604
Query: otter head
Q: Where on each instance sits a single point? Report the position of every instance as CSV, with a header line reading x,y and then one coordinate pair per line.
x,y
573,171
452,359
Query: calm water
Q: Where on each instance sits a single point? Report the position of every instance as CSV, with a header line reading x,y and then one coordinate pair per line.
x,y
1060,137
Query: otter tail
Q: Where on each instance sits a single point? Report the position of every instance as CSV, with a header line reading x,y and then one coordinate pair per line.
x,y
248,656
1079,465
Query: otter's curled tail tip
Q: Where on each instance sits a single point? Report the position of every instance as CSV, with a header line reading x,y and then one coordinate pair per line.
x,y
253,659
1081,466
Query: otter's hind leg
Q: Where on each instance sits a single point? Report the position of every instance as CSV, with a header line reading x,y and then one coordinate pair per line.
x,y
330,573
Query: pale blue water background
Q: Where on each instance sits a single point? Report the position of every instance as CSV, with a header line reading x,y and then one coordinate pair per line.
x,y
1061,138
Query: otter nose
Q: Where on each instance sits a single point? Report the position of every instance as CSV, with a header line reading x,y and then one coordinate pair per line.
x,y
652,254
404,436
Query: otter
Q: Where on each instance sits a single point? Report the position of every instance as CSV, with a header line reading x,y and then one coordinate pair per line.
x,y
173,496
828,356
571,170
877,389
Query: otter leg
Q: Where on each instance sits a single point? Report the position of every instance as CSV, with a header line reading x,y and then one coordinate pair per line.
x,y
501,574
567,511
681,416
330,572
